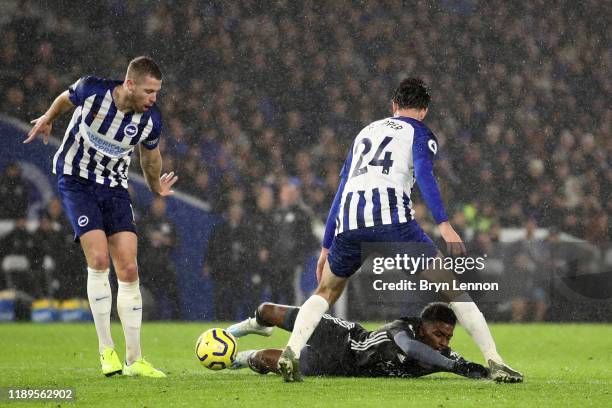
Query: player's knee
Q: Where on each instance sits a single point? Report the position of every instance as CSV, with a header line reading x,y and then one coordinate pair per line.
x,y
127,272
99,261
329,293
265,310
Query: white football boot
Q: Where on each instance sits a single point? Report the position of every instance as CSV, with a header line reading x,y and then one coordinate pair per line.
x,y
249,326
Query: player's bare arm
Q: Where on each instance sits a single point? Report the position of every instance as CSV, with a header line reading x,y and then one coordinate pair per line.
x,y
453,241
151,164
44,124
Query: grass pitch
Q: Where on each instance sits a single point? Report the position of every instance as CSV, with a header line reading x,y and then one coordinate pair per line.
x,y
564,365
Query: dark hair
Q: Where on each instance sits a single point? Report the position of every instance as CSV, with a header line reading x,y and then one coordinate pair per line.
x,y
412,93
141,66
438,312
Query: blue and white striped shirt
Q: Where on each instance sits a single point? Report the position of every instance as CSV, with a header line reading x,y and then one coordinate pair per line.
x,y
100,139
386,159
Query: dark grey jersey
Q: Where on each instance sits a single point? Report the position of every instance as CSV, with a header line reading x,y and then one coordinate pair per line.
x,y
375,353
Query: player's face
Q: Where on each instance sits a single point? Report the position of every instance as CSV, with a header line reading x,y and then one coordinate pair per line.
x,y
143,92
437,335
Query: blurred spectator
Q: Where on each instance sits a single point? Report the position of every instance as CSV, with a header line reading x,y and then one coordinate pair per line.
x,y
21,261
229,264
530,276
53,272
13,193
264,240
294,241
159,274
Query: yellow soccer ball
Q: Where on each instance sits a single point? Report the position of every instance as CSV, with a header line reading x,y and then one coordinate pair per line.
x,y
216,349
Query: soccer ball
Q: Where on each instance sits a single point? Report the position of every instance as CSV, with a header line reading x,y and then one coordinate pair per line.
x,y
216,349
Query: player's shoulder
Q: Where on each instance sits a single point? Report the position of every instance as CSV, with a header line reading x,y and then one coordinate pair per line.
x,y
418,126
155,113
94,84
408,324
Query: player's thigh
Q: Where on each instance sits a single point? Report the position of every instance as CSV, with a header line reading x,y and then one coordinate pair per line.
x,y
123,248
344,257
117,210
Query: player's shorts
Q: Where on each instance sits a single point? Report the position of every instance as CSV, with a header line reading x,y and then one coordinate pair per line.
x,y
345,255
328,350
92,206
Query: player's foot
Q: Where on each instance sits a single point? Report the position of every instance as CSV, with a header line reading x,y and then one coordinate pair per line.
x,y
110,362
501,372
142,368
242,360
289,366
249,326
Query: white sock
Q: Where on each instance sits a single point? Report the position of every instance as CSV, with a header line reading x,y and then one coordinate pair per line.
x,y
100,302
129,306
474,323
306,321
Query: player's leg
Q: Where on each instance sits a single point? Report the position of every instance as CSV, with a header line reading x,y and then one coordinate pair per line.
x,y
267,316
79,201
329,290
473,321
260,361
95,248
468,314
123,249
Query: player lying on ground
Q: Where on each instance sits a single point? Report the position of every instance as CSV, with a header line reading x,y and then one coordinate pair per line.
x,y
111,118
407,347
373,204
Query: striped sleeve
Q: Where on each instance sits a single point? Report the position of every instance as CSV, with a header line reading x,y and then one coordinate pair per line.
x,y
152,140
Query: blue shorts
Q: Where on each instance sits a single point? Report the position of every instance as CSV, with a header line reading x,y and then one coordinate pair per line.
x,y
92,206
345,255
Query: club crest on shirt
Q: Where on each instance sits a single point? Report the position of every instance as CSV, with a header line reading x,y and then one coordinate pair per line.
x,y
130,130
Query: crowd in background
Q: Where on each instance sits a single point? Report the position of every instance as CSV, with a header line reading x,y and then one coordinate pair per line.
x,y
259,97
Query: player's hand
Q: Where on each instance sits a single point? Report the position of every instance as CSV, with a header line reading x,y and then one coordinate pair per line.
x,y
471,370
41,125
321,263
454,244
166,181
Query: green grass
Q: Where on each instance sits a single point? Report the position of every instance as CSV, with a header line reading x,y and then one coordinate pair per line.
x,y
564,365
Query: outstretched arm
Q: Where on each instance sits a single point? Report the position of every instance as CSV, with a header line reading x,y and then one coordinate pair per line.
x,y
43,124
151,163
416,350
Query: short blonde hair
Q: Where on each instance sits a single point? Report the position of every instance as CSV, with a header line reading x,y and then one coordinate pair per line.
x,y
141,66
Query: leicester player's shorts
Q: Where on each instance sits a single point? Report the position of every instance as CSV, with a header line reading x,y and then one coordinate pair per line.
x,y
345,255
328,350
92,206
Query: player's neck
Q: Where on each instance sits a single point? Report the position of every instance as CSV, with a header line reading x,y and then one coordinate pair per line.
x,y
410,113
121,99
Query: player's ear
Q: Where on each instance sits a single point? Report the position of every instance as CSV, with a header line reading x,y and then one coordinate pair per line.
x,y
424,113
129,84
394,107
